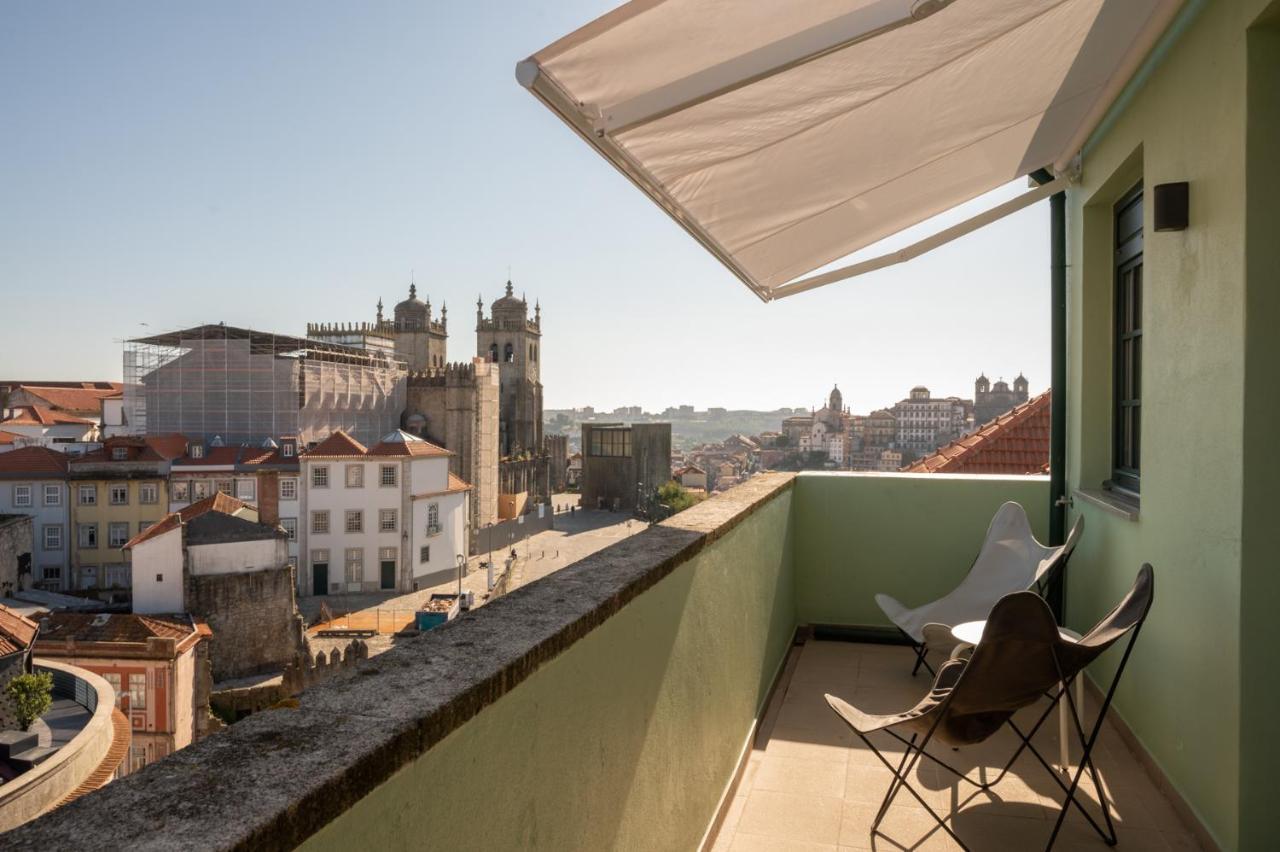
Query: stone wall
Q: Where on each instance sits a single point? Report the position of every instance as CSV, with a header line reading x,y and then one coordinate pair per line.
x,y
254,617
16,548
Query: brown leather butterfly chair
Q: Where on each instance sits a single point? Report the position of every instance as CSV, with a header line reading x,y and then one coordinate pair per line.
x,y
1021,658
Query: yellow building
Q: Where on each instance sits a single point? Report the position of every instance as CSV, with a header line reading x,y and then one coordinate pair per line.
x,y
116,492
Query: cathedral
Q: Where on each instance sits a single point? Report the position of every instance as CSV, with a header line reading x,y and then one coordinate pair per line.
x,y
487,411
989,401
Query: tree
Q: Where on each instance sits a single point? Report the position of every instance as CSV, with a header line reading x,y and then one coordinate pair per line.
x,y
32,695
677,498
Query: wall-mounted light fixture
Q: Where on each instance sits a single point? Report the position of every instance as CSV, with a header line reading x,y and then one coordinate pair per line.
x,y
1172,206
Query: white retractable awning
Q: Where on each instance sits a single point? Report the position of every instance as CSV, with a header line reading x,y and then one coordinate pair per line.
x,y
787,135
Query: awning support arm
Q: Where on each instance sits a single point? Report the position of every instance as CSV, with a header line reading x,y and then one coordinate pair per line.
x,y
928,244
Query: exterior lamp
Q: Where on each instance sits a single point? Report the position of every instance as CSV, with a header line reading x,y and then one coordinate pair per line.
x,y
1172,206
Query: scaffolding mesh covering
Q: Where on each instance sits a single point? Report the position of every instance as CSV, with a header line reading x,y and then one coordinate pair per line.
x,y
246,386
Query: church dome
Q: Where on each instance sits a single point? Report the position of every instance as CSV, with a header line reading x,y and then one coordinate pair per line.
x,y
836,400
411,305
510,301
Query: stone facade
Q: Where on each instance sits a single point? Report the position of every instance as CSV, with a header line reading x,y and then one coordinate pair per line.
x,y
456,407
254,618
623,463
990,401
511,340
16,548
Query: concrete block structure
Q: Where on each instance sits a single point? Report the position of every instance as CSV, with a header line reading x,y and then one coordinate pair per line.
x,y
624,464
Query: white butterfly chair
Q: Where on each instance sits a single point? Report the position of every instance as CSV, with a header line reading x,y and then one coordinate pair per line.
x,y
1011,560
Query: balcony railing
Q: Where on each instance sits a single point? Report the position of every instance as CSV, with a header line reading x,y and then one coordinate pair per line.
x,y
609,705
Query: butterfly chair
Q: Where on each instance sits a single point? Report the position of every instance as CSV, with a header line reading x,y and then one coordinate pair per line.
x,y
1021,657
1011,560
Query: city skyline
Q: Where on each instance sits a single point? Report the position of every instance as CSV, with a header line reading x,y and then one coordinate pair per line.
x,y
151,182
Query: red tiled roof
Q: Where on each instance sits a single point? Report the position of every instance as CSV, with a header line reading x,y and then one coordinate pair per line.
x,y
73,396
417,449
1016,442
338,444
38,415
7,438
457,483
219,502
150,448
28,460
17,632
57,627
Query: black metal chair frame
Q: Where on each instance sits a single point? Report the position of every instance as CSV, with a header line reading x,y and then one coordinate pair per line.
x,y
914,752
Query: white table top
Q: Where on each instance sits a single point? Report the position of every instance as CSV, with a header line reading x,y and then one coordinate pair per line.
x,y
971,632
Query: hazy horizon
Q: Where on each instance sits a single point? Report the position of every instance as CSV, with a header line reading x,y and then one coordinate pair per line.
x,y
270,166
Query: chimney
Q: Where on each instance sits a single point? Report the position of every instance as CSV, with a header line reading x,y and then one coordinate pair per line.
x,y
268,497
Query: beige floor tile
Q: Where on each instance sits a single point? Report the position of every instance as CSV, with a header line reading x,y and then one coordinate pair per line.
x,y
756,843
799,744
815,819
802,777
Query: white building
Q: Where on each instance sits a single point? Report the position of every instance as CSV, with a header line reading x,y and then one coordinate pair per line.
x,y
390,517
218,535
36,426
925,422
33,481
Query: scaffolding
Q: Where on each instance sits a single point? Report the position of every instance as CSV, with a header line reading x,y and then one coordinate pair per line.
x,y
245,386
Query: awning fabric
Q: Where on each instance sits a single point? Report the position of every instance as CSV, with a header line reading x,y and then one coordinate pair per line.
x,y
787,135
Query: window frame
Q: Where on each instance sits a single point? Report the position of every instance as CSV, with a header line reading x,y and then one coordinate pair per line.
x,y
92,529
385,469
317,528
1126,347
30,498
91,490
117,530
353,565
145,488
52,489
320,476
291,484
290,526
137,687
180,491
44,537
113,489
353,515
353,475
383,515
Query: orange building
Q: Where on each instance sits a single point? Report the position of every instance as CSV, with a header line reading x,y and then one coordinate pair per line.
x,y
157,664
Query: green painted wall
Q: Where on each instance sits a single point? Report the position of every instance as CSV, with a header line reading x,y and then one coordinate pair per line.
x,y
626,740
1182,693
913,536
1260,569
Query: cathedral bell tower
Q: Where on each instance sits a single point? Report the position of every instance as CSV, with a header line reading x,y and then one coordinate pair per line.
x,y
511,340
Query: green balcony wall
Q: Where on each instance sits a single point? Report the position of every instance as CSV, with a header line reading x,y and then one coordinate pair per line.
x,y
1208,402
912,536
626,740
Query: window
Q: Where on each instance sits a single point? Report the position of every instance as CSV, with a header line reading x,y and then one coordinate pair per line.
x,y
387,520
21,496
1127,345
355,520
288,489
197,451
53,573
286,449
226,486
424,554
119,453
88,535
387,474
246,489
88,495
355,476
433,518
493,352
320,476
113,678
88,576
291,527
118,494
53,495
180,492
143,525
148,492
52,537
508,353
201,489
138,691
355,565
137,758
320,521
614,443
117,535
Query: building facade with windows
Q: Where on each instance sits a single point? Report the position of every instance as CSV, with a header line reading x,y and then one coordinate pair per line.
x,y
33,481
924,422
116,492
157,664
386,518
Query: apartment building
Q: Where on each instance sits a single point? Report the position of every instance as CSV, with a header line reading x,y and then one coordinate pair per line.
x,y
390,517
33,481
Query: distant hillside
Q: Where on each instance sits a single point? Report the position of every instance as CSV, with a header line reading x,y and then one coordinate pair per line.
x,y
702,428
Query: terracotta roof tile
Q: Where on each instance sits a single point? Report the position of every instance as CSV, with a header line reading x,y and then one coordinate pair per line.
x,y
17,632
457,483
338,444
73,396
29,460
418,449
57,627
150,448
219,502
38,415
7,438
1016,442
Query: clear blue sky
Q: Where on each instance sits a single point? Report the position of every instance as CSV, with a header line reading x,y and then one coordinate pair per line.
x,y
270,164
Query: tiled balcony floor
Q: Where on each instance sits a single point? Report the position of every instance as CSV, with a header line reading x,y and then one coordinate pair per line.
x,y
811,784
